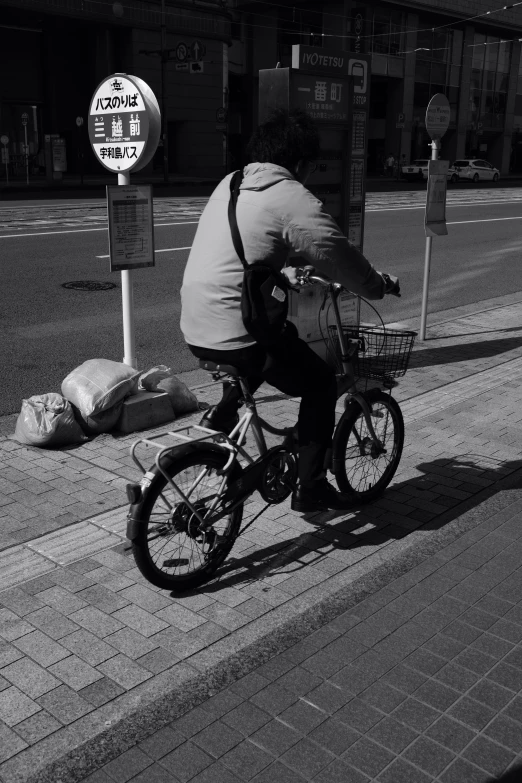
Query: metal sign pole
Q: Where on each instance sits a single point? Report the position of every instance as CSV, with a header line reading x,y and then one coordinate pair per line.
x,y
435,146
127,300
437,122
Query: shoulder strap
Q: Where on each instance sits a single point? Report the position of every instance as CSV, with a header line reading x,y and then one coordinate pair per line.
x,y
235,184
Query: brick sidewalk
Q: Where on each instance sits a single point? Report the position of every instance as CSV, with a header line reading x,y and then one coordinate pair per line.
x,y
417,683
94,659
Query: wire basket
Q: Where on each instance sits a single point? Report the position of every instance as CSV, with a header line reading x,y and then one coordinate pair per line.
x,y
382,354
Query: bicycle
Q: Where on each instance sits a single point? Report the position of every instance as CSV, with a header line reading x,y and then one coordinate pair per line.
x,y
186,512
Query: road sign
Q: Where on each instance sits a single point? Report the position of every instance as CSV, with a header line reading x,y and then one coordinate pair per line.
x,y
25,117
124,123
79,121
181,66
400,120
131,226
437,116
221,114
4,139
196,67
221,126
181,52
197,50
435,217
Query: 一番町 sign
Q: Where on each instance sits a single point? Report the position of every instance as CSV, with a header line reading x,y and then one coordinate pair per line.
x,y
124,123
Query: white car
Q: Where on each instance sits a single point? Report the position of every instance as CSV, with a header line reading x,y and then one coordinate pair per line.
x,y
419,170
476,169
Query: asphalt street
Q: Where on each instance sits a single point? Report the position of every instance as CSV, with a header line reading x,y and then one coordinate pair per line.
x,y
46,330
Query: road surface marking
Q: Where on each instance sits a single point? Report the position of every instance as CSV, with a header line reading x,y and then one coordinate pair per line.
x,y
378,208
84,230
485,220
164,250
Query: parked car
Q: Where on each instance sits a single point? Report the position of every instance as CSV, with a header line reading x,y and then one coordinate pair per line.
x,y
419,170
475,169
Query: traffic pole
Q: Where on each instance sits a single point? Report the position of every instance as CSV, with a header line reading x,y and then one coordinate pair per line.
x,y
435,147
127,300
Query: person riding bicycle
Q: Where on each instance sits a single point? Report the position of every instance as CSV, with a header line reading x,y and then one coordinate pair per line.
x,y
277,216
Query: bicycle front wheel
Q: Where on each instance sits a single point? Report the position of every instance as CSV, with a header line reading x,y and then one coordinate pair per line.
x,y
360,466
170,550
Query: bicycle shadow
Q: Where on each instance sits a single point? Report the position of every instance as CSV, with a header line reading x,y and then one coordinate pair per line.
x,y
367,528
450,354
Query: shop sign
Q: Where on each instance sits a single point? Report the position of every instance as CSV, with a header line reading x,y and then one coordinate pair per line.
x,y
317,59
124,123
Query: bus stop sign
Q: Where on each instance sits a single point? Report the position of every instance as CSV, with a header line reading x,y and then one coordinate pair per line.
x,y
124,123
437,116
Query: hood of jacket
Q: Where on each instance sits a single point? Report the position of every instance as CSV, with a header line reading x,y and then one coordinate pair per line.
x,y
258,176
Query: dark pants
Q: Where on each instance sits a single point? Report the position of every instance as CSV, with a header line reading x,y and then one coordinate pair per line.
x,y
293,368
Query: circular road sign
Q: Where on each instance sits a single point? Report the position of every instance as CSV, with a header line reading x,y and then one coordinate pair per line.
x,y
437,116
124,123
221,115
79,121
25,117
4,139
181,52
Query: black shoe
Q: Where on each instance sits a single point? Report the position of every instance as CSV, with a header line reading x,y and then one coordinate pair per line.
x,y
322,496
212,420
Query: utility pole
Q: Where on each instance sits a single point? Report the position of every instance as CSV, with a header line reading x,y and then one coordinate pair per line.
x,y
164,60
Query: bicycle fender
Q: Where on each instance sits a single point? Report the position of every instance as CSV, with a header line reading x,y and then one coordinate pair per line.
x,y
134,520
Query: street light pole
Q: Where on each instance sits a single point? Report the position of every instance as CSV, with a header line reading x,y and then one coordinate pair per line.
x,y
164,60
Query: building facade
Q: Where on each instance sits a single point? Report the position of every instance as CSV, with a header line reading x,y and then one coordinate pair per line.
x,y
418,48
53,54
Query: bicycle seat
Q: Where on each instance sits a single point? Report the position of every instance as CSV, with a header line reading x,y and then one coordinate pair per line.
x,y
205,364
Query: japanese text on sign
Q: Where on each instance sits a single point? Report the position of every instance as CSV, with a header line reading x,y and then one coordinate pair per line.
x,y
435,218
131,236
322,97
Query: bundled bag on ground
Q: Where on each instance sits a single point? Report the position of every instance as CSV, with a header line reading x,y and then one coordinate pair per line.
x,y
47,420
162,379
98,385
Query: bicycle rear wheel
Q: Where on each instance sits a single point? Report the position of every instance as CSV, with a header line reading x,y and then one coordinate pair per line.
x,y
361,468
169,549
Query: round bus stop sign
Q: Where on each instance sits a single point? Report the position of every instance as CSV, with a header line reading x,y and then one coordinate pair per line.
x,y
124,123
437,116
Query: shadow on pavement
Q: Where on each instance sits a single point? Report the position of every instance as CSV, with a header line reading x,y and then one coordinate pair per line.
x,y
513,775
364,528
459,353
472,334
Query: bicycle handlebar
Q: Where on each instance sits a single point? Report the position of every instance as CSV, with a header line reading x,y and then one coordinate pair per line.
x,y
307,274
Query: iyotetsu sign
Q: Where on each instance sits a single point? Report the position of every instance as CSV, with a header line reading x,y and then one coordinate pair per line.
x,y
124,123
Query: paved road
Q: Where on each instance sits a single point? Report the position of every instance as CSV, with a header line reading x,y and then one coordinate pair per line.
x,y
47,330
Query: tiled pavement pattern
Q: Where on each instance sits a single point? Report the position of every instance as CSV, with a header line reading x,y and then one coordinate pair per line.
x,y
87,642
419,682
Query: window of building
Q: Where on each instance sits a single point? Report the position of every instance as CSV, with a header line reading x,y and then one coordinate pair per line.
x,y
388,36
298,26
489,82
437,67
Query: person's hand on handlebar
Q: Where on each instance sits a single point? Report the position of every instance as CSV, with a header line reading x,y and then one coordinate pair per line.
x,y
290,272
392,285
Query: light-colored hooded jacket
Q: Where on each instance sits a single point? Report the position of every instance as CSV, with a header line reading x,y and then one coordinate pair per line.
x,y
277,216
